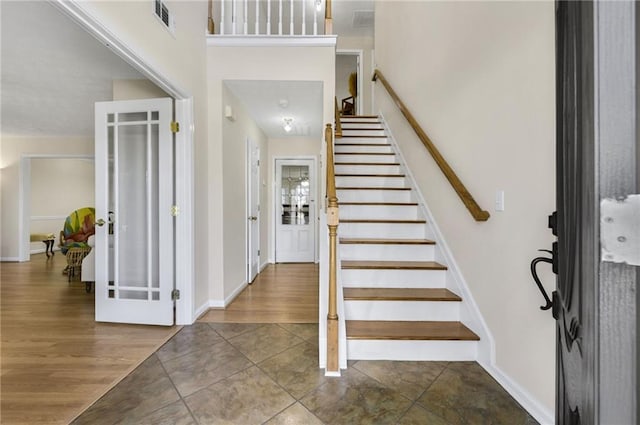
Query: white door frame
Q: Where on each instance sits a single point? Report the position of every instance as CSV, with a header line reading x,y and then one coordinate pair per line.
x,y
248,194
359,53
184,177
276,200
24,199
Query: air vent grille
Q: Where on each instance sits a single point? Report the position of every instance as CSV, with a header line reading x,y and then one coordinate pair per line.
x,y
363,18
162,12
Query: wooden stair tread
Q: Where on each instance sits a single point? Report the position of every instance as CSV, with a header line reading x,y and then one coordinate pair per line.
x,y
372,188
374,241
370,175
393,204
357,116
363,144
363,153
364,136
362,128
392,265
368,163
401,330
400,294
384,220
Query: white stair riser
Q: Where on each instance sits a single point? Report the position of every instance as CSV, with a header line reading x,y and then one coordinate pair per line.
x,y
339,148
382,230
360,119
371,252
448,311
363,140
378,212
351,125
367,169
412,350
365,278
365,158
356,195
342,181
362,132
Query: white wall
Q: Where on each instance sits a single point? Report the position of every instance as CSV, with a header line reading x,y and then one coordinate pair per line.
x,y
131,89
234,151
13,148
479,78
58,187
291,147
287,63
366,45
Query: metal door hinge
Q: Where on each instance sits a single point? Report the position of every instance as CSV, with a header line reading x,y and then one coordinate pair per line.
x,y
175,210
175,294
258,253
175,126
620,230
258,163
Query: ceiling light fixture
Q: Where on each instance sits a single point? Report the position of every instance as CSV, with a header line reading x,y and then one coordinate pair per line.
x,y
287,124
318,5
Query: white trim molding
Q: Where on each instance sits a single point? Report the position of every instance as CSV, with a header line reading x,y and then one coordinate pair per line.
x,y
272,40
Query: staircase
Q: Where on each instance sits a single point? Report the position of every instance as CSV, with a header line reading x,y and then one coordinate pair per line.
x,y
397,305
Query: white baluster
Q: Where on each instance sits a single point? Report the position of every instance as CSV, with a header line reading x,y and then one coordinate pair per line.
x,y
280,20
234,15
222,17
257,17
246,13
291,17
304,17
268,17
315,20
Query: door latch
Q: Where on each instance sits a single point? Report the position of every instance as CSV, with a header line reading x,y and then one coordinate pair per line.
x,y
620,230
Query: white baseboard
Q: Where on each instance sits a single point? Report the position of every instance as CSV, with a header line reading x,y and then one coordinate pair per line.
x,y
10,259
539,412
220,303
263,266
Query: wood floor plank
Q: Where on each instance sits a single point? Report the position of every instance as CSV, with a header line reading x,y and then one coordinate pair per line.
x,y
55,359
400,294
398,265
371,329
282,293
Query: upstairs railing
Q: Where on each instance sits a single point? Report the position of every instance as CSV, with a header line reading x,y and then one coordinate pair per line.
x,y
478,213
269,17
332,224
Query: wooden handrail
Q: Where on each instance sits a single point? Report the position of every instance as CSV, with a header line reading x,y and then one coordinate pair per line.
x,y
337,118
478,213
332,224
210,24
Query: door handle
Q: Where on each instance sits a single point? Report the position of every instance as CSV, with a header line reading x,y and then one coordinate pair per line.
x,y
534,273
100,222
252,218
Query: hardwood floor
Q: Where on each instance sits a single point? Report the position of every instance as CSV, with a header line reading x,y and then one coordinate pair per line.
x,y
282,293
56,360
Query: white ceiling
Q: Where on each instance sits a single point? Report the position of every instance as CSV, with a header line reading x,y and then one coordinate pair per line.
x,y
53,72
348,18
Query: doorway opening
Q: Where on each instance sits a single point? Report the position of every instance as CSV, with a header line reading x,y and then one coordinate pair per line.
x,y
349,74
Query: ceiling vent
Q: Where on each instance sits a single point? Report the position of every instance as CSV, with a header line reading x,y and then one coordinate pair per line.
x,y
363,18
162,12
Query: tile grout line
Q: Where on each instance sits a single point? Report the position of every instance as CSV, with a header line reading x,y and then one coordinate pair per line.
x,y
184,402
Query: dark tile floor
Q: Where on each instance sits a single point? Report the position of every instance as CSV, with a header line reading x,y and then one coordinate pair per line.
x,y
223,373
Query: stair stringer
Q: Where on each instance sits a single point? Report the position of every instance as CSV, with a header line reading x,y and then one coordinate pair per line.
x,y
470,314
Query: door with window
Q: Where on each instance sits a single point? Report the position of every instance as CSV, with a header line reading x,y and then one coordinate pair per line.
x,y
134,221
295,211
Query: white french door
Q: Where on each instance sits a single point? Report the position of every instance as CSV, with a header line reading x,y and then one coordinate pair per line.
x,y
253,210
295,211
134,196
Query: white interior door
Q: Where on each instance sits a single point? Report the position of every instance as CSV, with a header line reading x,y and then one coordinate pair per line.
x,y
134,194
295,211
253,210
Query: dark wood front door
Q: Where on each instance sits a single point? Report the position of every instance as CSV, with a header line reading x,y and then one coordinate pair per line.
x,y
595,302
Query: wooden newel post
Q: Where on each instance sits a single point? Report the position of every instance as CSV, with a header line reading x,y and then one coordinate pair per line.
x,y
328,20
332,224
210,24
